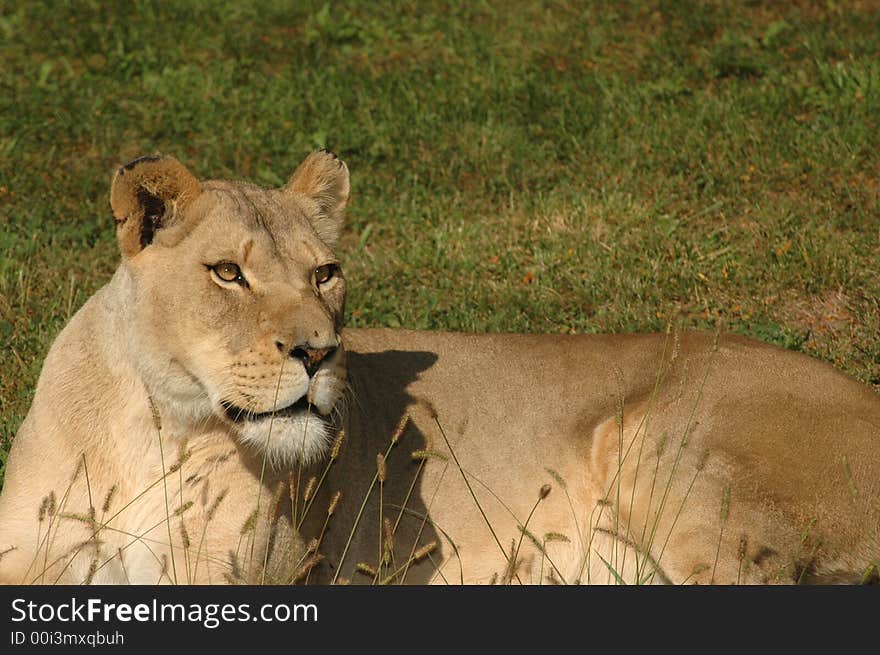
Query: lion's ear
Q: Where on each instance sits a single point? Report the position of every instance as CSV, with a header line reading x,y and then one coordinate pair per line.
x,y
148,194
321,184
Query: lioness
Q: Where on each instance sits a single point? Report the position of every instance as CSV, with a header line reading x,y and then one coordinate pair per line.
x,y
205,418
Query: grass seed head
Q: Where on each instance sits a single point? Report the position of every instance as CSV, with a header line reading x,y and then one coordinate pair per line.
x,y
93,568
291,486
108,499
399,428
250,523
334,502
77,470
157,420
556,477
424,551
381,469
337,445
311,562
428,454
389,535
182,456
213,508
531,537
365,569
556,536
310,488
280,488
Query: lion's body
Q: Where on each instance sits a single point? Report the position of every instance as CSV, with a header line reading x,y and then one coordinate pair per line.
x,y
669,458
784,447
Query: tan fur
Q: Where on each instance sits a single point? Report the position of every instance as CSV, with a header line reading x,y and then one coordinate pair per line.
x,y
510,458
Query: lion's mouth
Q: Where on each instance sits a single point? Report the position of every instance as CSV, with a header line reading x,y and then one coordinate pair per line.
x,y
240,415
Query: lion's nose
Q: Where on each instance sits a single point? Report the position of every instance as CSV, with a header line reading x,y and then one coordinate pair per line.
x,y
310,357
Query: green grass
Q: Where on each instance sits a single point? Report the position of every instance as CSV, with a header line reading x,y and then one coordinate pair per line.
x,y
516,166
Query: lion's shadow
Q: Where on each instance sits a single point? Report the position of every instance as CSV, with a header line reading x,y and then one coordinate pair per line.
x,y
376,407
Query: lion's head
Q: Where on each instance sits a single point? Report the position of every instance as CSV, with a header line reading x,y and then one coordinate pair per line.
x,y
236,298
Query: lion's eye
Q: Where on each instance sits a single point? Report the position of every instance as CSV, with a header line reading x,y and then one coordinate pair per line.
x,y
228,272
325,273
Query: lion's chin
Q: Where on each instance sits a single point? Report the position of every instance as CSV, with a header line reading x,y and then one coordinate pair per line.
x,y
285,441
